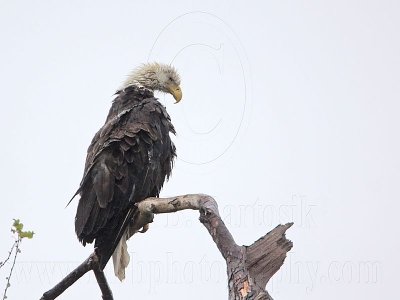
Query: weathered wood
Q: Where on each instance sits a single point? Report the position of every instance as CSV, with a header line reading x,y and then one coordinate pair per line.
x,y
249,268
91,263
266,255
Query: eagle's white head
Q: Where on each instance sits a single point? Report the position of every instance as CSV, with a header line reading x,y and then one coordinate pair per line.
x,y
156,77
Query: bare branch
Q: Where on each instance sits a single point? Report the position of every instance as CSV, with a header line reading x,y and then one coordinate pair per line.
x,y
101,279
91,263
249,268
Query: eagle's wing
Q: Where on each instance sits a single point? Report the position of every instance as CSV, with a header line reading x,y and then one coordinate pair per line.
x,y
127,161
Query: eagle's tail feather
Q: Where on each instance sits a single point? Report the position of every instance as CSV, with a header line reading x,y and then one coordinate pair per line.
x,y
121,258
106,247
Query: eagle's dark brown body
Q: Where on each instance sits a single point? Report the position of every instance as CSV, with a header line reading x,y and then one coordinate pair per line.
x,y
128,160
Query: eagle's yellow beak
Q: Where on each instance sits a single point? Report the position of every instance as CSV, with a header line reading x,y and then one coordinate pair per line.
x,y
175,90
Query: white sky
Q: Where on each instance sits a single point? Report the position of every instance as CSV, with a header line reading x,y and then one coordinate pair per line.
x,y
290,113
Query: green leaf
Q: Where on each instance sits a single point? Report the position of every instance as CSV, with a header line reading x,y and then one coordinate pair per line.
x,y
17,228
26,234
18,225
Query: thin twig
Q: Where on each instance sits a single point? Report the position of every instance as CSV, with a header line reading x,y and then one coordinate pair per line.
x,y
9,255
12,267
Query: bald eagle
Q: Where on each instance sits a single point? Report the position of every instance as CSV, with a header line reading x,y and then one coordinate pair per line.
x,y
128,160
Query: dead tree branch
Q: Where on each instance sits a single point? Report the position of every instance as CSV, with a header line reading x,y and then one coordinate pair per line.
x,y
249,268
91,263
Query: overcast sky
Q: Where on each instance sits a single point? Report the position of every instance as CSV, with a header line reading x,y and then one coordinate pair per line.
x,y
290,112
